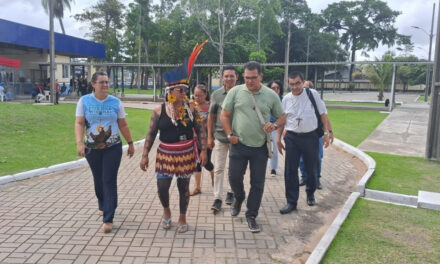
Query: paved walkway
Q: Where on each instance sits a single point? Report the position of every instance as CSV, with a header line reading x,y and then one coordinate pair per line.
x,y
54,219
403,132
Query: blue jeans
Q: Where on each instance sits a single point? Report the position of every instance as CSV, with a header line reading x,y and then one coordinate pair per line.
x,y
301,162
239,156
296,146
104,164
273,162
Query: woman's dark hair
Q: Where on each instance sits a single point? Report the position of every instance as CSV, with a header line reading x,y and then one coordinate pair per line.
x,y
96,74
279,85
203,88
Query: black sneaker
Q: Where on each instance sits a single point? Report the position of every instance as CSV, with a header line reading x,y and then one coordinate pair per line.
x,y
217,205
252,224
229,198
273,173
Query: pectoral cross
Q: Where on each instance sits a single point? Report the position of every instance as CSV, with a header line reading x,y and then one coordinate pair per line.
x,y
299,120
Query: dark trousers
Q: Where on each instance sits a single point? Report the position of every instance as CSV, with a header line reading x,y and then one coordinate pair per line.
x,y
239,156
104,164
297,145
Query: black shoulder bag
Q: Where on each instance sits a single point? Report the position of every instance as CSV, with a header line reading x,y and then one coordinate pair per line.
x,y
319,130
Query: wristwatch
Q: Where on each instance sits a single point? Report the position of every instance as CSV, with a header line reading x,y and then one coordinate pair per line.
x,y
230,135
275,126
326,133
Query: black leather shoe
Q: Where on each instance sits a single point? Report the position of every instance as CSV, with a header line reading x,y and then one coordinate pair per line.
x,y
235,208
302,182
311,199
288,208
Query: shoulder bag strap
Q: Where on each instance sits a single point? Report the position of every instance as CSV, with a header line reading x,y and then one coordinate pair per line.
x,y
260,116
312,99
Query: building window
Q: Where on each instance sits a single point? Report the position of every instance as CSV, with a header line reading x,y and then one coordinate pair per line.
x,y
65,71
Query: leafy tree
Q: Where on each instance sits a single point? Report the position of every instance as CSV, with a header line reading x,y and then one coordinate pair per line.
x,y
106,23
217,19
363,24
58,10
411,74
380,75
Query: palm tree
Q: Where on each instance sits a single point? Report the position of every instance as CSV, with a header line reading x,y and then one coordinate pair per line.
x,y
380,75
58,9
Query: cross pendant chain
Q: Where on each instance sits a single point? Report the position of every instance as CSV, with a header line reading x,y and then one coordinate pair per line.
x,y
299,120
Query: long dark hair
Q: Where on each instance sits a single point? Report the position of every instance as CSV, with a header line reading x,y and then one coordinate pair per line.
x,y
279,85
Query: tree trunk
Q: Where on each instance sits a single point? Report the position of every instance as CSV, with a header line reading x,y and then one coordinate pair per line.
x,y
142,77
132,80
62,26
353,57
287,51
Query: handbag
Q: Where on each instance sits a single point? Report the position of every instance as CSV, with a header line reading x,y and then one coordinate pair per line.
x,y
260,116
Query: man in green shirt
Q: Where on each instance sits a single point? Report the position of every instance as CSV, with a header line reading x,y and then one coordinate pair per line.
x,y
248,137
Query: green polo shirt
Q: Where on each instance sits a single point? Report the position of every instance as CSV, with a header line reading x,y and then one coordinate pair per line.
x,y
215,108
245,122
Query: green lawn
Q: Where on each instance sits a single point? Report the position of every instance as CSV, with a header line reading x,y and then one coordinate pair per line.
x,y
406,175
422,98
353,126
354,103
383,233
39,136
133,91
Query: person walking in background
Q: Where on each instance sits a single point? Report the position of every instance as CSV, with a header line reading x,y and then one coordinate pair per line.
x,y
177,154
201,97
57,91
301,138
245,105
277,87
102,116
303,180
217,139
2,92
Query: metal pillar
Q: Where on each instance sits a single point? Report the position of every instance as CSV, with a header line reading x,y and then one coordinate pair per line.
x,y
393,89
433,140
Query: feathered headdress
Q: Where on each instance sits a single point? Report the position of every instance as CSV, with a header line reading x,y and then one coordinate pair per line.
x,y
181,74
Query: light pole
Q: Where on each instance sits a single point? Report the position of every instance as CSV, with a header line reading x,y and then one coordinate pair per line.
x,y
428,71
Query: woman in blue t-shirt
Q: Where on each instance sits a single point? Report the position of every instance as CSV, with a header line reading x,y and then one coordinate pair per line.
x,y
102,116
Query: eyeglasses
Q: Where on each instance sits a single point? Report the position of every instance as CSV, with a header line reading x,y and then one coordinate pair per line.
x,y
296,84
250,78
102,82
180,90
274,87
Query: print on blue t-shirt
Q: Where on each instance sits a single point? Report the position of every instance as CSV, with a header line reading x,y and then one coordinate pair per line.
x,y
101,121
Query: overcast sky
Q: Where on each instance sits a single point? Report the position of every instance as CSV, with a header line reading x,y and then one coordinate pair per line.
x,y
414,13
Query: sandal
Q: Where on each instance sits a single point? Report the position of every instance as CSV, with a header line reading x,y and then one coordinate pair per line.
x,y
166,224
182,228
195,192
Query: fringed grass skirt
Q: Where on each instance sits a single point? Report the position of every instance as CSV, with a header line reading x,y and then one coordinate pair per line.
x,y
176,159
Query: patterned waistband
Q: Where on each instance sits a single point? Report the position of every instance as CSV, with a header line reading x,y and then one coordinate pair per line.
x,y
181,145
